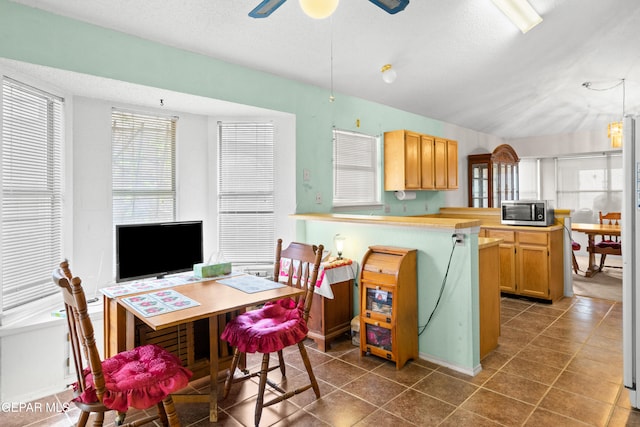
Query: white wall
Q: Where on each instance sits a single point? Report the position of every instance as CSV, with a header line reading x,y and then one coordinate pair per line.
x,y
563,144
89,234
196,157
469,142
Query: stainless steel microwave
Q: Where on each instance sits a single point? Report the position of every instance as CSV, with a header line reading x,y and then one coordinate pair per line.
x,y
527,212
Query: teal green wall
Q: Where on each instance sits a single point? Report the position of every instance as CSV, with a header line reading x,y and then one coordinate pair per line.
x,y
38,37
452,337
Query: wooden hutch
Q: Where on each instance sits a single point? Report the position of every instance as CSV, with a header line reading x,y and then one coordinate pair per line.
x,y
493,177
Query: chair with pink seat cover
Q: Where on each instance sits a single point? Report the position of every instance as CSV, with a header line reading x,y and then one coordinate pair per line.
x,y
608,245
277,325
139,378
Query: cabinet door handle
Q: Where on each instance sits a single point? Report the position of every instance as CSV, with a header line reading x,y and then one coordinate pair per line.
x,y
377,323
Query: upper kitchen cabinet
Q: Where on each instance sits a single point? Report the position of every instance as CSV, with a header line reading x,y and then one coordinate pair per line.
x,y
493,177
414,161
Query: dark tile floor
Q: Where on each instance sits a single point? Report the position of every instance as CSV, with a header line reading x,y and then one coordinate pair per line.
x,y
556,365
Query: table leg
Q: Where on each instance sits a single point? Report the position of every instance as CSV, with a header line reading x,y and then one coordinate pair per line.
x,y
213,368
591,268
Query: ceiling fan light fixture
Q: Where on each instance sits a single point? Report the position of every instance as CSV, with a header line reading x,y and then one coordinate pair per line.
x,y
520,13
266,8
319,9
391,6
388,74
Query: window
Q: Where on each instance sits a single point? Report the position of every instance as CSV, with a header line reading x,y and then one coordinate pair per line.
x,y
246,218
589,184
355,169
143,167
31,190
529,184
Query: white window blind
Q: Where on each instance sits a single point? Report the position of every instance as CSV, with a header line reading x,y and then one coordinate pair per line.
x,y
355,169
246,219
590,183
143,167
31,192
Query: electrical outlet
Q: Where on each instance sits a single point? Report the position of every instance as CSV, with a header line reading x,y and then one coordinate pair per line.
x,y
459,238
319,198
306,175
387,208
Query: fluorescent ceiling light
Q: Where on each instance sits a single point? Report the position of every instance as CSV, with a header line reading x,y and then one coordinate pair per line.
x,y
520,13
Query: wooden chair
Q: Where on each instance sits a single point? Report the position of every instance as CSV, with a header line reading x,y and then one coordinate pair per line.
x,y
277,325
608,245
575,246
111,384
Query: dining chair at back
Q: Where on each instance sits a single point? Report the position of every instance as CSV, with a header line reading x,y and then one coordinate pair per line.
x,y
608,244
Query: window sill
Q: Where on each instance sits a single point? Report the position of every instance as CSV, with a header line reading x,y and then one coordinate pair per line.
x,y
44,318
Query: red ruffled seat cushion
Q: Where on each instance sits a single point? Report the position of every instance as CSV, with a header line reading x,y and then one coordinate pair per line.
x,y
609,244
575,246
138,378
271,328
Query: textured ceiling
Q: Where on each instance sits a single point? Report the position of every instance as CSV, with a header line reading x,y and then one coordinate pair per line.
x,y
460,61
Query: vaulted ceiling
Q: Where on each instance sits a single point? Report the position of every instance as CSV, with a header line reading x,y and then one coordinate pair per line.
x,y
459,61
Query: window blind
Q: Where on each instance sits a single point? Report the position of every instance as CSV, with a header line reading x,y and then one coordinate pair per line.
x,y
143,167
590,183
31,192
246,219
355,169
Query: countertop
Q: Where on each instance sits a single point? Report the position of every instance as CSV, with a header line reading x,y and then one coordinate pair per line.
x,y
411,221
487,242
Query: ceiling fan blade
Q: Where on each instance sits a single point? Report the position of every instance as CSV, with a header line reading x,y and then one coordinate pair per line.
x,y
266,8
391,6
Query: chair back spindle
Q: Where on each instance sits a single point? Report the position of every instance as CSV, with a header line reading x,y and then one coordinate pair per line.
x,y
302,272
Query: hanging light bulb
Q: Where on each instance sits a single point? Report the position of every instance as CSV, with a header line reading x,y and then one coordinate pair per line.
x,y
614,132
319,9
388,74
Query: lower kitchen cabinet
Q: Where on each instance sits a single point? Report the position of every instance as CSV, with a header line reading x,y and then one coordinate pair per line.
x,y
531,261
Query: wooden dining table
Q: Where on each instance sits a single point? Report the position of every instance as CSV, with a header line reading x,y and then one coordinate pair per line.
x,y
593,230
214,299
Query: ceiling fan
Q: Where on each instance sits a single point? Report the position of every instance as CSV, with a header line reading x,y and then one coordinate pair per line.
x,y
267,7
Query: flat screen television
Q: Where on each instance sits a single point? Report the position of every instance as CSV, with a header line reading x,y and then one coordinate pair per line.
x,y
157,249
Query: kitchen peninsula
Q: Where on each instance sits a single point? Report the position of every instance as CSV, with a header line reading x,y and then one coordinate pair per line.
x,y
452,338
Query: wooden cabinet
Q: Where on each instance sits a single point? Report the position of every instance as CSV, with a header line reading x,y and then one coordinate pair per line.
x,y
489,295
330,318
388,304
493,177
414,161
507,253
452,164
531,261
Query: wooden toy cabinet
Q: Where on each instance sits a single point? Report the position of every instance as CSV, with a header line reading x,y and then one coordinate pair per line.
x,y
389,304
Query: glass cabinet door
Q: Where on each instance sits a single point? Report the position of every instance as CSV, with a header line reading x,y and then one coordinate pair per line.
x,y
378,336
480,185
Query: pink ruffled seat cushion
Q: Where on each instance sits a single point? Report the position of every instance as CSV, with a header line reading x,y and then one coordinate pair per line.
x,y
609,244
271,328
138,378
